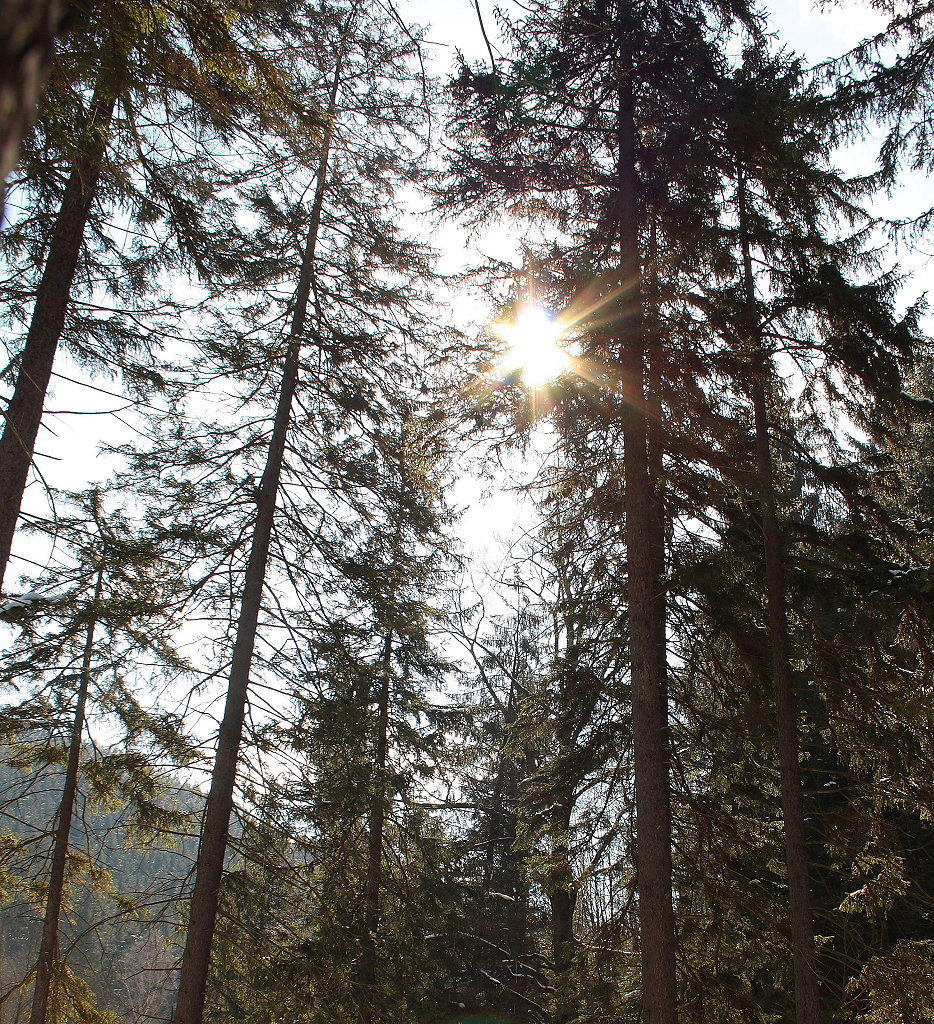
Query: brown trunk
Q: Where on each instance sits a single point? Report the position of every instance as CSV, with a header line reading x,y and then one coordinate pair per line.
x,y
807,992
562,897
24,412
202,915
649,684
367,1012
48,948
575,704
508,929
654,454
26,41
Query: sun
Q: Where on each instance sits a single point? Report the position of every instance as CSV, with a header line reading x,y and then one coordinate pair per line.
x,y
534,351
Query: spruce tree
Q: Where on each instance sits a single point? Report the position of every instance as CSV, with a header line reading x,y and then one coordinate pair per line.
x,y
142,107
574,810
507,661
807,1000
297,483
372,739
84,629
888,76
203,912
789,205
563,131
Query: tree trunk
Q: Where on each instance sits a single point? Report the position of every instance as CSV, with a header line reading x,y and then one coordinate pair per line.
x,y
562,897
48,948
654,456
367,1012
26,42
202,915
807,992
24,412
503,863
649,684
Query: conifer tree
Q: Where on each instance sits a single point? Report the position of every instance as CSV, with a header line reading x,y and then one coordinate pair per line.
x,y
142,107
573,809
775,136
807,999
372,740
86,625
578,154
355,342
508,659
203,912
889,77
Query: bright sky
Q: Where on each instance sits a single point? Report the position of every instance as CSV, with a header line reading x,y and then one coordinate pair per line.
x,y
68,441
821,31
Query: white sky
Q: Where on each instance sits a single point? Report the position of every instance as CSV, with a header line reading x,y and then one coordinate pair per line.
x,y
818,32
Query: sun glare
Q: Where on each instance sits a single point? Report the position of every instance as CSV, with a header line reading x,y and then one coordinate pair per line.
x,y
534,352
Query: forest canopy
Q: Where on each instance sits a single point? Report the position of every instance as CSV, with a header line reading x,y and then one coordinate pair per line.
x,y
297,726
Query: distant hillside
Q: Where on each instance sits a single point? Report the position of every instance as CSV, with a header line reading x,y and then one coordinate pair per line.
x,y
119,933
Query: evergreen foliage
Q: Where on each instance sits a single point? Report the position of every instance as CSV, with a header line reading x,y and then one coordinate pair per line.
x,y
266,755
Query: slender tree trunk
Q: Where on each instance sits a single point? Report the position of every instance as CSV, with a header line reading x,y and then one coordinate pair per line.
x,y
202,915
562,897
503,863
807,992
367,1012
649,683
654,455
24,412
48,948
517,771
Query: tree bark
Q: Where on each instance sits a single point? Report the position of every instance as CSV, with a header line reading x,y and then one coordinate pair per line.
x,y
202,915
503,863
562,898
649,683
26,43
367,1012
48,948
24,412
807,991
654,456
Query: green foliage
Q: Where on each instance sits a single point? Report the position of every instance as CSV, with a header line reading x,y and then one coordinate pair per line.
x,y
417,840
897,988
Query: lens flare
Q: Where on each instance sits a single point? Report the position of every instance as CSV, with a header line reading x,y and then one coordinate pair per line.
x,y
534,351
